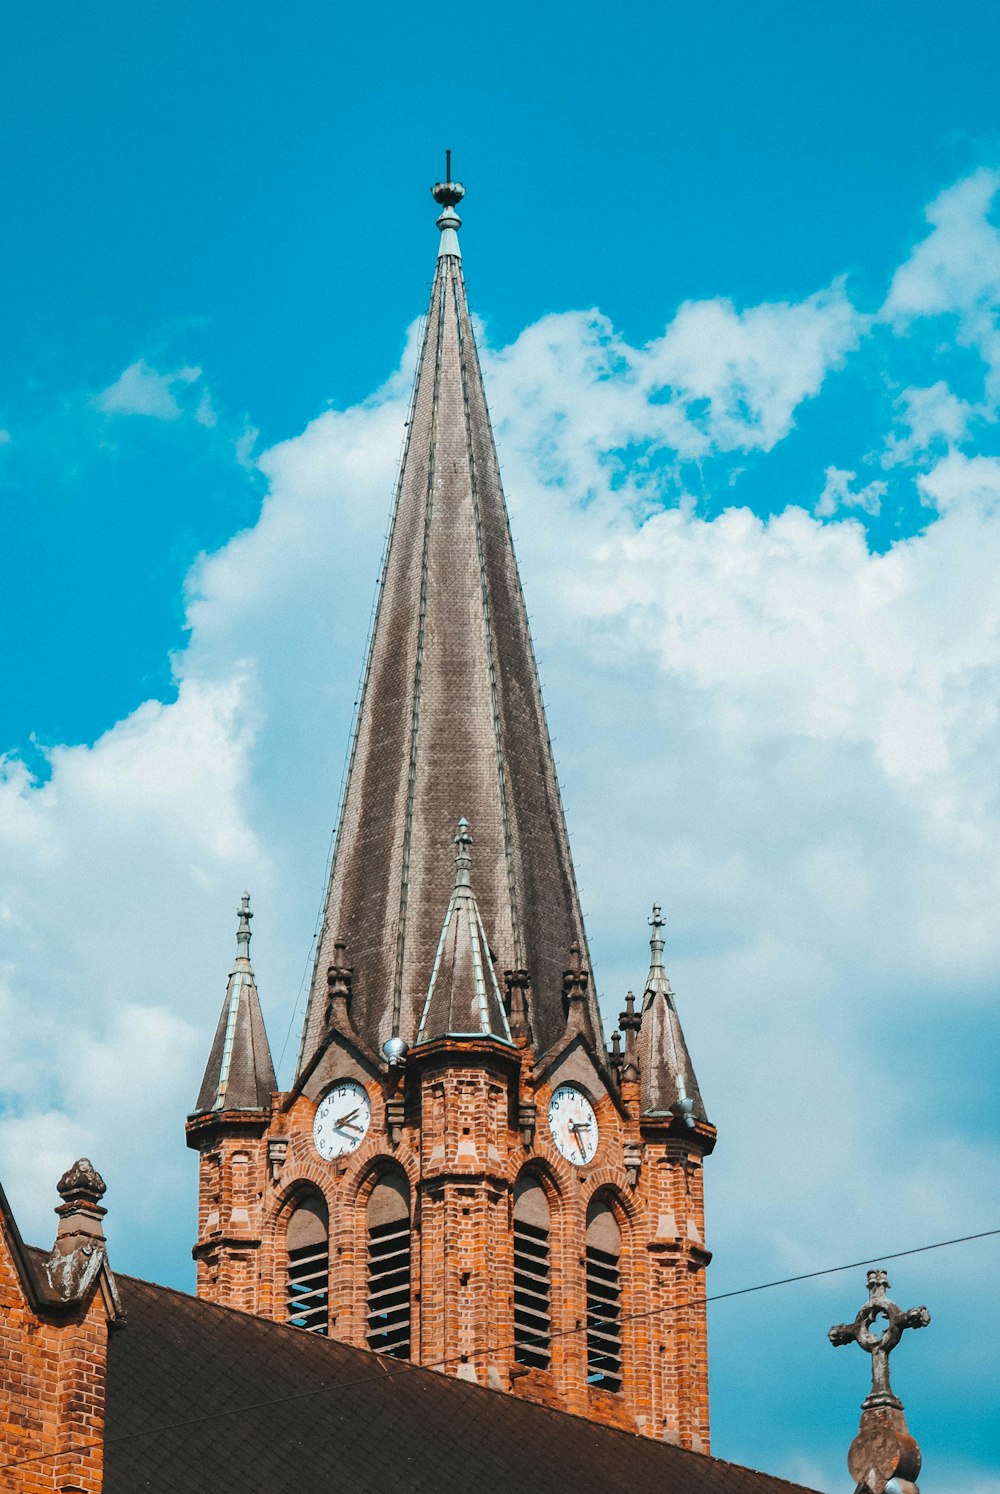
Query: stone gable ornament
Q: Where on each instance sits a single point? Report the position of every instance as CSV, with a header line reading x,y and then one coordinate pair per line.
x,y
883,1458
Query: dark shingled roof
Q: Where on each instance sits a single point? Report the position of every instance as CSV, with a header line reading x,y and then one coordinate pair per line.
x,y
451,723
206,1400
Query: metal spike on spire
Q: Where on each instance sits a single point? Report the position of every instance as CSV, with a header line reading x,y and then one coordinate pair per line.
x,y
243,930
448,195
463,856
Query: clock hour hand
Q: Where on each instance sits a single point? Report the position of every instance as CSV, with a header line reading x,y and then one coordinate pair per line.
x,y
346,1122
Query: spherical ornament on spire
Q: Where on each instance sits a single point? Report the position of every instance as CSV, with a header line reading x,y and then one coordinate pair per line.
x,y
448,194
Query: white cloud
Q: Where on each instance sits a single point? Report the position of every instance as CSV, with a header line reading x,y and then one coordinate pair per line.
x,y
838,494
142,390
955,271
932,417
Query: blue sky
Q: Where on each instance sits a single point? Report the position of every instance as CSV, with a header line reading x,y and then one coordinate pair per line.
x,y
738,276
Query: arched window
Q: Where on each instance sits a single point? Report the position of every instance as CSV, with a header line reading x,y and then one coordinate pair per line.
x,y
307,1282
389,1267
604,1298
532,1283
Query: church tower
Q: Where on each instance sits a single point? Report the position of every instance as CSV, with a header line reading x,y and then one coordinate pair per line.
x,y
462,1174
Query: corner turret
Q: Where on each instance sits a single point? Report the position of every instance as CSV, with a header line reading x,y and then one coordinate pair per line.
x,y
667,1079
240,1072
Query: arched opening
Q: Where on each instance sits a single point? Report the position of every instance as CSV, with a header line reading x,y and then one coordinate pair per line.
x,y
532,1278
307,1243
388,1328
604,1298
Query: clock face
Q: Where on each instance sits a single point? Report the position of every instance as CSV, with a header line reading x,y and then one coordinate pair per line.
x,y
342,1119
573,1124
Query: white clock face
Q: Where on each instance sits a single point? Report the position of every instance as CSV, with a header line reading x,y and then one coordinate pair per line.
x,y
573,1124
342,1119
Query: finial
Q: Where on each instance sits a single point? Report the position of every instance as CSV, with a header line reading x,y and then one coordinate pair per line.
x,y
243,928
81,1184
448,194
656,942
630,1022
463,856
884,1454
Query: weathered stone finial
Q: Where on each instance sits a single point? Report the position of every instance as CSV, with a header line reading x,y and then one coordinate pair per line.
x,y
517,990
81,1186
629,1022
78,1255
883,1452
339,975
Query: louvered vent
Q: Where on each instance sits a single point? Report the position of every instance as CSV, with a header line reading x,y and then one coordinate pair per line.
x,y
532,1278
389,1268
307,1277
532,1296
604,1301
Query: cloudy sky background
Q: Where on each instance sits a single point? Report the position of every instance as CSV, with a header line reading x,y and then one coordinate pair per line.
x,y
746,387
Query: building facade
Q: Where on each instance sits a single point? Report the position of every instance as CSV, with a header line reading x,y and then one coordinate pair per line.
x,y
463,1173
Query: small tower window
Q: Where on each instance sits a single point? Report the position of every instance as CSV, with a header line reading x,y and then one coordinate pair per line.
x,y
604,1299
532,1280
388,1329
307,1284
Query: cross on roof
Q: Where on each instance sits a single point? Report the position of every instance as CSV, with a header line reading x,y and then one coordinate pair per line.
x,y
879,1345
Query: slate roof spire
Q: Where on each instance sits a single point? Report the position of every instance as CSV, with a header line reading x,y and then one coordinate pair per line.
x,y
240,1073
463,997
450,719
666,1076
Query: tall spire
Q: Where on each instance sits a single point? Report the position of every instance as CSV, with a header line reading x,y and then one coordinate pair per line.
x,y
463,997
451,718
666,1075
240,1073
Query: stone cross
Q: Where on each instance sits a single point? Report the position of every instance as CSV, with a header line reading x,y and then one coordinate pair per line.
x,y
876,1311
884,1457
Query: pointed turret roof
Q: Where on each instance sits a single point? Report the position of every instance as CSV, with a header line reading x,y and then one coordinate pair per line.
x,y
240,1074
463,998
666,1075
450,720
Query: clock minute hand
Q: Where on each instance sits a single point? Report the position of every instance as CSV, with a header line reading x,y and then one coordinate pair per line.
x,y
576,1127
344,1123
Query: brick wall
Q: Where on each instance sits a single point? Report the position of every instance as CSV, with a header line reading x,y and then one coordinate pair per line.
x,y
458,1141
52,1378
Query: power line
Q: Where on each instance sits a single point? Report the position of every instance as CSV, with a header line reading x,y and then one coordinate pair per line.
x,y
404,1366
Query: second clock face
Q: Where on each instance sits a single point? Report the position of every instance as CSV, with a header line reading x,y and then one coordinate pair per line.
x,y
573,1124
342,1119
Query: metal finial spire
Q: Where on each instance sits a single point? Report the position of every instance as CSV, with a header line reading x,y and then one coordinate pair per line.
x,y
448,194
463,856
243,928
656,942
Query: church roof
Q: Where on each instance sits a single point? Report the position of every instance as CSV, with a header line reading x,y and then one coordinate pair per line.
x,y
463,998
240,1073
203,1399
451,720
666,1073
